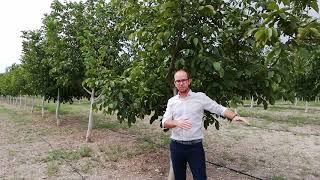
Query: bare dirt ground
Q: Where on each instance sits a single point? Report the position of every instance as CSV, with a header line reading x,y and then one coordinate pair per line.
x,y
34,148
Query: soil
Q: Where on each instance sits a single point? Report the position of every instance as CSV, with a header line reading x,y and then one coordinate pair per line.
x,y
261,153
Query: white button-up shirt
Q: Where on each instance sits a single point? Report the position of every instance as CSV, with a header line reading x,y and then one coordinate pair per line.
x,y
192,108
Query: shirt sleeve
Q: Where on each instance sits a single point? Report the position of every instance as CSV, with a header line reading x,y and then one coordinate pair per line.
x,y
168,114
213,106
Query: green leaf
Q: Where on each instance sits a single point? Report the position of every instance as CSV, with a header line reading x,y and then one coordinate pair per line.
x,y
272,100
221,73
120,96
184,19
259,35
159,36
208,7
265,104
217,66
286,2
166,35
249,33
167,5
270,74
269,33
217,124
132,36
283,16
211,8
315,31
143,33
195,41
303,53
274,32
272,6
270,55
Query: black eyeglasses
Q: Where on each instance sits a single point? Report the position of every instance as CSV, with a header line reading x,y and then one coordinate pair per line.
x,y
181,81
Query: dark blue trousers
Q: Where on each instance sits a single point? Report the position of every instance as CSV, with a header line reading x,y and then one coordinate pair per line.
x,y
193,154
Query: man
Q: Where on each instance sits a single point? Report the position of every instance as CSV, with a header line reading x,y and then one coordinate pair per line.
x,y
184,115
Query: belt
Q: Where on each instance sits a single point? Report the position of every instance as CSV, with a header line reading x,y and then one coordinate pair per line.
x,y
187,142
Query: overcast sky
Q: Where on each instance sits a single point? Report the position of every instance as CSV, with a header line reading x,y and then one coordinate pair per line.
x,y
17,16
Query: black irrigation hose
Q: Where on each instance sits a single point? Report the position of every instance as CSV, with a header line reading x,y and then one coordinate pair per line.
x,y
231,169
73,168
211,163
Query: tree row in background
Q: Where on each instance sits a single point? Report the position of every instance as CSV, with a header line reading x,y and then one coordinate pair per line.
x,y
122,54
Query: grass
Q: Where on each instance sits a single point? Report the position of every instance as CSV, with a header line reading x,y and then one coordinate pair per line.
x,y
108,123
295,118
146,144
15,115
277,178
52,168
56,158
117,152
227,156
88,165
146,140
68,154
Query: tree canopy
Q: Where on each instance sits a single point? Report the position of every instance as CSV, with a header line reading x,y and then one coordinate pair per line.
x,y
130,49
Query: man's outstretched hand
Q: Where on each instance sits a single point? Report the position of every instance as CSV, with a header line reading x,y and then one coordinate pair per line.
x,y
241,119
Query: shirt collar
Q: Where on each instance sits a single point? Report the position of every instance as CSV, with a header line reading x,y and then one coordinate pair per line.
x,y
189,94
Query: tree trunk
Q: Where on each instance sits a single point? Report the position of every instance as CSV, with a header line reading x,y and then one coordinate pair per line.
x,y
251,102
58,108
306,109
32,106
20,101
42,107
90,123
295,101
25,101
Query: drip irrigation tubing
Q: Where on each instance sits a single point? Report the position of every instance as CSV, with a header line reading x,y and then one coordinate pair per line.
x,y
209,162
73,168
234,170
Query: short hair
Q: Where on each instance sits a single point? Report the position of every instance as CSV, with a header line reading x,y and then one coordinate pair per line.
x,y
184,70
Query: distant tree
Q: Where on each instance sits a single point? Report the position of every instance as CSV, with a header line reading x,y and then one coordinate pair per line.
x,y
63,55
100,47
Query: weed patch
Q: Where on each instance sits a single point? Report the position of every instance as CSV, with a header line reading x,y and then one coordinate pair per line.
x,y
52,168
68,154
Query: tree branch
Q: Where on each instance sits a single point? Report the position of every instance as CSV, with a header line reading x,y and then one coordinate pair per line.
x,y
86,90
100,95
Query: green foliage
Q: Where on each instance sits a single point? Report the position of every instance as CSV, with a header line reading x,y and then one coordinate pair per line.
x,y
52,168
129,50
62,49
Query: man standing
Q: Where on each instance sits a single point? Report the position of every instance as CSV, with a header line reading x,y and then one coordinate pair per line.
x,y
184,115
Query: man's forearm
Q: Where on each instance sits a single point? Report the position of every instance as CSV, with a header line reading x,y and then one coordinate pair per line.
x,y
169,124
181,123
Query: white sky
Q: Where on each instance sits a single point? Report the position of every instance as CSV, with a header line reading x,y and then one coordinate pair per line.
x,y
17,16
